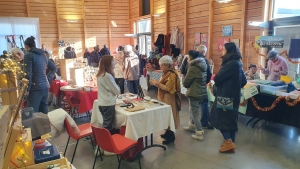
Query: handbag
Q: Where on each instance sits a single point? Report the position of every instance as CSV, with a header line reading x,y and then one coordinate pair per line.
x,y
177,94
225,103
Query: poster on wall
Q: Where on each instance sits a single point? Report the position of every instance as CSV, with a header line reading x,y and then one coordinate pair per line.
x,y
236,41
227,30
197,38
221,42
204,39
270,41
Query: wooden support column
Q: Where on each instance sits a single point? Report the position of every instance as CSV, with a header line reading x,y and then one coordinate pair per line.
x,y
109,23
185,25
84,26
129,23
140,7
58,25
243,33
152,19
167,15
27,8
210,29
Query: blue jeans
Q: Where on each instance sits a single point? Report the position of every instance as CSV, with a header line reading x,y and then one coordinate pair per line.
x,y
205,112
228,135
38,99
132,86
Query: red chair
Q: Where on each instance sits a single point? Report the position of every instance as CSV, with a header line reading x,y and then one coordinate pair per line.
x,y
85,131
112,143
74,104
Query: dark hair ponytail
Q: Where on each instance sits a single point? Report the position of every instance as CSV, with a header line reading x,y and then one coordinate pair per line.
x,y
30,42
193,54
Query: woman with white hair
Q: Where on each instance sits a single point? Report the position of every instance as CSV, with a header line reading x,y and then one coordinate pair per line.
x,y
168,86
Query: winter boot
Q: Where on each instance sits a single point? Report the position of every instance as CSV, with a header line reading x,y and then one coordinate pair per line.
x,y
228,146
198,135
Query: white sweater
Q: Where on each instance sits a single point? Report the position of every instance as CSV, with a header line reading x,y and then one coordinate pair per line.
x,y
107,90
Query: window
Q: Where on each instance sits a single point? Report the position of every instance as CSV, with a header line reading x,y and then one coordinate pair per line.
x,y
283,9
144,26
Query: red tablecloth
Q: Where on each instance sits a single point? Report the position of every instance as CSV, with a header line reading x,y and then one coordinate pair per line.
x,y
55,87
86,99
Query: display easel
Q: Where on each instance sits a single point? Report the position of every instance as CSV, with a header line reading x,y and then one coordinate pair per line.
x,y
14,128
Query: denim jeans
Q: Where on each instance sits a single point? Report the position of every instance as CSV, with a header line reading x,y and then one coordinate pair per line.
x,y
195,113
38,99
132,86
228,135
205,112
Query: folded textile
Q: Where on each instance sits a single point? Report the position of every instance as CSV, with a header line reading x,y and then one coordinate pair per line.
x,y
281,83
291,87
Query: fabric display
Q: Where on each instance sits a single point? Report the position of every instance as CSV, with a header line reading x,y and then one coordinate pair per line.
x,y
180,40
174,35
176,42
294,51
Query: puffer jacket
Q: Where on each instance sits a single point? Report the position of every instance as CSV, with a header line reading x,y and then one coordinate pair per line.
x,y
228,81
195,79
35,67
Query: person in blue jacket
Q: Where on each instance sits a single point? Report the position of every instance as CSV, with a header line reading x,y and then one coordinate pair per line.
x,y
35,67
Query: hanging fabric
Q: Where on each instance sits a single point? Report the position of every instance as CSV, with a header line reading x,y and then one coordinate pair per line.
x,y
160,42
180,41
174,36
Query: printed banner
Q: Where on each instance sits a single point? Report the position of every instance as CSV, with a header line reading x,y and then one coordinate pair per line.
x,y
270,41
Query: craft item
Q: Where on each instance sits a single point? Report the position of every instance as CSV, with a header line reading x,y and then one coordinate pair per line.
x,y
22,155
135,108
40,143
46,154
286,79
27,113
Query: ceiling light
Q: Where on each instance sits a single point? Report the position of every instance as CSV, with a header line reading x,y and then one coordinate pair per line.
x,y
72,20
223,1
157,14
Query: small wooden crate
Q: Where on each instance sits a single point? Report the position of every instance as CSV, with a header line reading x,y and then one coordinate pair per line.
x,y
62,163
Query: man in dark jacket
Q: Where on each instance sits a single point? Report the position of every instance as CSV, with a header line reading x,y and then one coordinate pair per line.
x,y
205,105
104,51
36,64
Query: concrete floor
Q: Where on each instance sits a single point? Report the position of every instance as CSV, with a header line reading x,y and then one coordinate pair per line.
x,y
267,146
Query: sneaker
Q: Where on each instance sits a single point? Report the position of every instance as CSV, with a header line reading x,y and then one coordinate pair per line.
x,y
198,135
191,127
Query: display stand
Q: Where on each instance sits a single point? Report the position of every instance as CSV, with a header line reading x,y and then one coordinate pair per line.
x,y
65,65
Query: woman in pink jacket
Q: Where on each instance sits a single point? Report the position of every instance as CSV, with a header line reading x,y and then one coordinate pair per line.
x,y
277,66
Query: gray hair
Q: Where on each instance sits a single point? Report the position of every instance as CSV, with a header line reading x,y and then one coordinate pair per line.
x,y
128,48
166,60
201,49
17,53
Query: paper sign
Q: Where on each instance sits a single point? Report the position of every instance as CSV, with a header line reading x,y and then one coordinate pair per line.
x,y
251,91
270,41
255,44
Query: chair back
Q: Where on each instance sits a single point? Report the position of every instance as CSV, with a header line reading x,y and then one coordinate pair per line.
x,y
103,138
70,130
70,100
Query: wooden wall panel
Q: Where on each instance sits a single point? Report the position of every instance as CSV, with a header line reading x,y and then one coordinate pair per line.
x,y
159,22
96,23
119,14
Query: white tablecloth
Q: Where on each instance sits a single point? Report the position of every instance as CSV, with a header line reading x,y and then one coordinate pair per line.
x,y
141,123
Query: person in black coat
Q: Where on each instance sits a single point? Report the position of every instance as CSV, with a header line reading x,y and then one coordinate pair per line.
x,y
228,83
35,67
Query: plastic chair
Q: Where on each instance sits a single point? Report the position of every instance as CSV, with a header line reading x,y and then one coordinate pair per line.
x,y
85,131
112,143
74,104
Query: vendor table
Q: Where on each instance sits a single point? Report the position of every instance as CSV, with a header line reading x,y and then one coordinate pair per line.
x,y
141,123
86,97
282,113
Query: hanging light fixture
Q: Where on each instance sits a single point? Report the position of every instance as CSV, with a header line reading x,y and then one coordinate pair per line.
x,y
223,1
